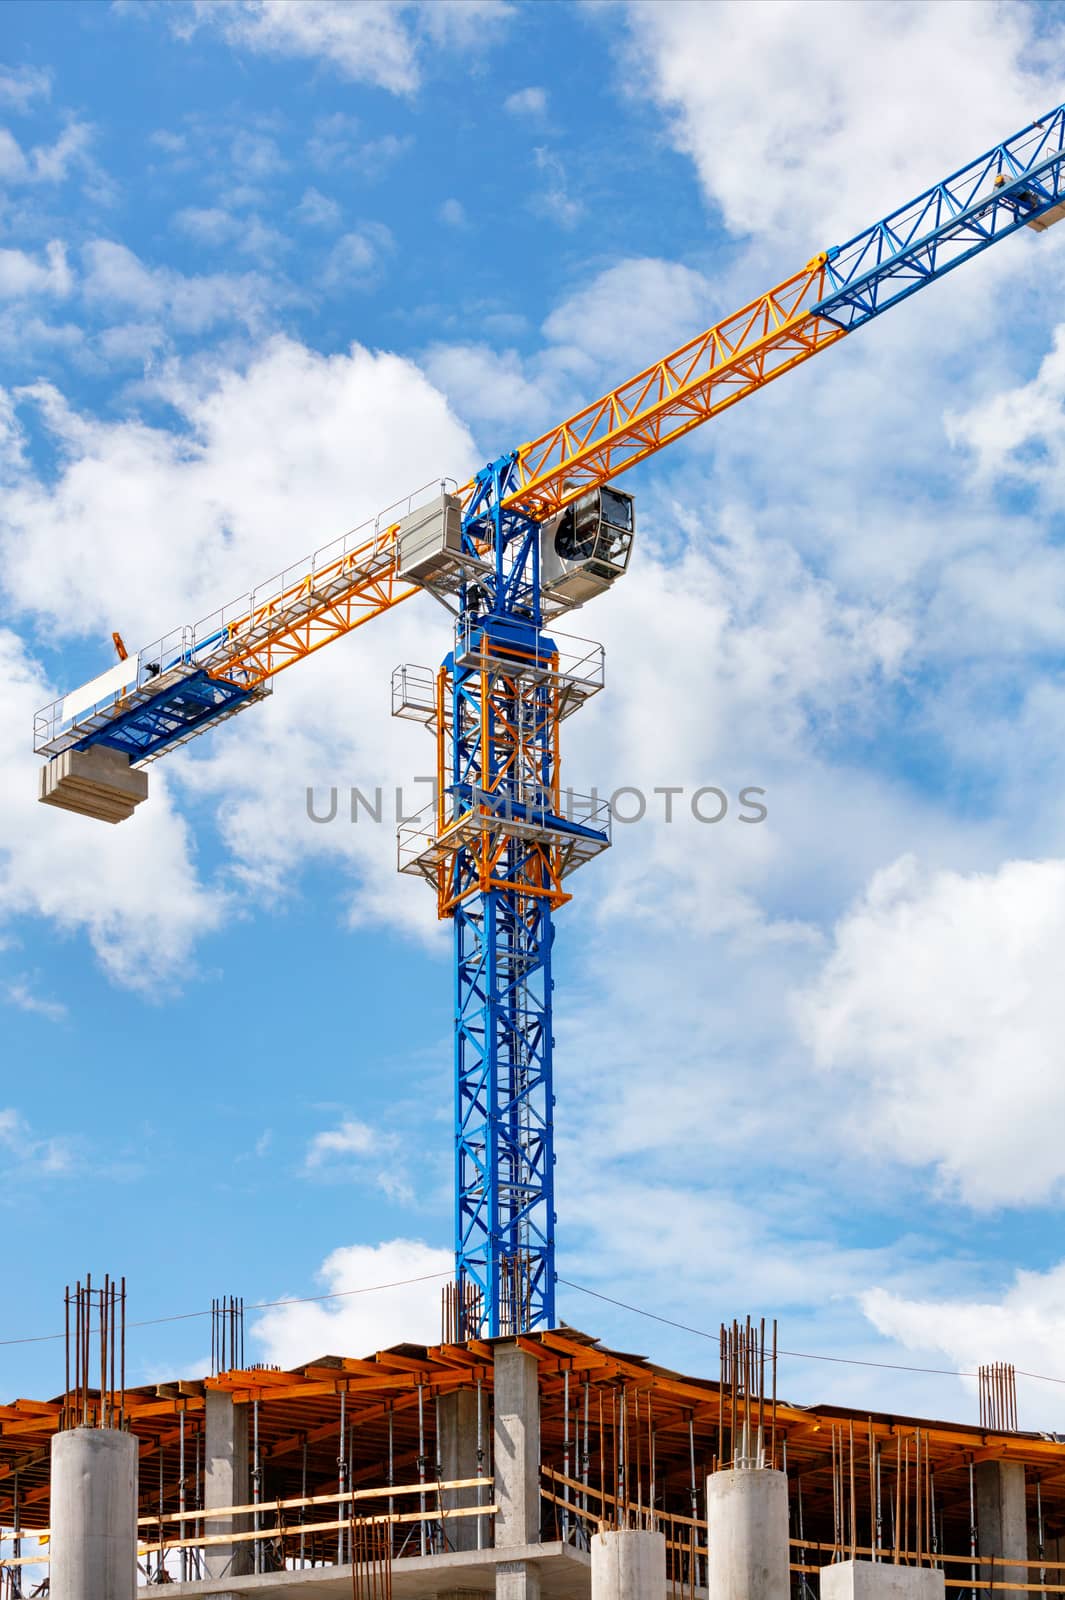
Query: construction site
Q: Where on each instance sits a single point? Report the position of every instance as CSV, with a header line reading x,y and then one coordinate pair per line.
x,y
541,1465
517,1458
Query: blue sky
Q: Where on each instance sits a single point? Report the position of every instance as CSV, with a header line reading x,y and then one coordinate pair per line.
x,y
265,268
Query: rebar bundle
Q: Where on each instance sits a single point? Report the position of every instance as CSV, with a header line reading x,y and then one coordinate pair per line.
x,y
742,1426
227,1335
998,1397
95,1315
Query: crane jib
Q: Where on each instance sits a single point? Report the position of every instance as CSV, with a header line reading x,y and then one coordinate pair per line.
x,y
1018,183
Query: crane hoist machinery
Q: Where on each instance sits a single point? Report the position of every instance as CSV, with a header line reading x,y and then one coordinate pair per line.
x,y
536,533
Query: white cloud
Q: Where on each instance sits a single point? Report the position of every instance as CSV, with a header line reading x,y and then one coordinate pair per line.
x,y
317,210
362,1322
336,145
345,1153
376,41
208,224
350,1138
22,275
835,142
941,1006
531,102
1019,433
117,281
256,155
554,199
33,1156
358,257
633,313
23,998
174,144
20,86
44,163
213,225
1024,1324
452,213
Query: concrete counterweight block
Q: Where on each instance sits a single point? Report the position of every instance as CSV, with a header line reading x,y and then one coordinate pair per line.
x,y
880,1580
628,1565
747,1514
93,1515
95,783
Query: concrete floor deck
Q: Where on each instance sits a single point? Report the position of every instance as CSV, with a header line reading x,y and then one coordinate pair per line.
x,y
565,1574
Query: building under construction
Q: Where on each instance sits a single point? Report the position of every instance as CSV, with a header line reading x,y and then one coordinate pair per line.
x,y
520,1467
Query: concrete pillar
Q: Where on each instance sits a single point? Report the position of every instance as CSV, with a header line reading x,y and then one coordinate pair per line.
x,y
457,1416
517,1580
747,1515
1001,1519
516,1437
880,1580
628,1565
516,1454
226,1483
93,1515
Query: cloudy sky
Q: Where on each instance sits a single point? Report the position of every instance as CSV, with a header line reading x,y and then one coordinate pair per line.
x,y
265,268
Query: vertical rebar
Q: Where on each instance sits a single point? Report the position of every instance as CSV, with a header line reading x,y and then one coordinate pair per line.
x,y
565,1456
162,1507
972,1529
421,1463
391,1476
303,1496
256,1483
773,1450
585,1457
341,1471
181,1489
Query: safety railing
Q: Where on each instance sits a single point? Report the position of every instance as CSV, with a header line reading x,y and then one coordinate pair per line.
x,y
578,1509
574,663
216,636
325,1530
421,841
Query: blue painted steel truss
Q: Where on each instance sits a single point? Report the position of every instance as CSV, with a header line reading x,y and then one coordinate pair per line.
x,y
498,888
177,712
1009,187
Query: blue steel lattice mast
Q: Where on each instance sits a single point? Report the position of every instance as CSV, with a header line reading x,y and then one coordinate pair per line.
x,y
498,845
504,744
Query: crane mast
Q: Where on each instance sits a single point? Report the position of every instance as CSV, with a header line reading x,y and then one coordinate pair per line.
x,y
534,534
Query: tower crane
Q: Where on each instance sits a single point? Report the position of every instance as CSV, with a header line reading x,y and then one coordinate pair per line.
x,y
536,533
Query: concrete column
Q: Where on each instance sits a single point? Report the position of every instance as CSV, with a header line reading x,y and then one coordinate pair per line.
x,y
880,1580
94,1515
1001,1519
458,1459
747,1514
628,1565
517,1580
226,1483
516,1454
516,1436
